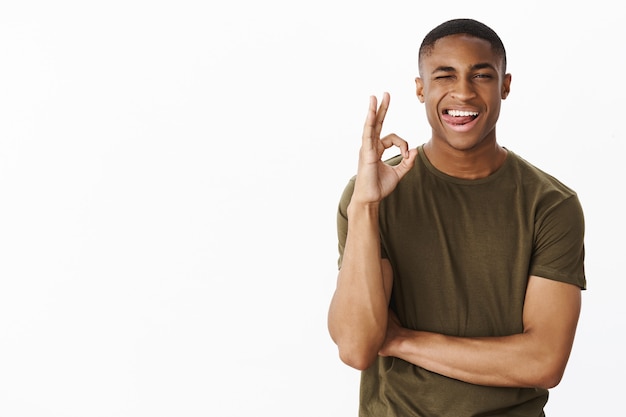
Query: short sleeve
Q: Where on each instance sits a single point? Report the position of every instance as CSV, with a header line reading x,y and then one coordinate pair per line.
x,y
559,243
342,219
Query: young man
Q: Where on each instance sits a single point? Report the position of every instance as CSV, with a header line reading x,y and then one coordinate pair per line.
x,y
461,264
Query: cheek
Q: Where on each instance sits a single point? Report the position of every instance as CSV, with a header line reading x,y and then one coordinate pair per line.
x,y
432,115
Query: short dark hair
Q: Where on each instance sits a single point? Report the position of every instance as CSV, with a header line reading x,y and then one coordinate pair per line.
x,y
463,26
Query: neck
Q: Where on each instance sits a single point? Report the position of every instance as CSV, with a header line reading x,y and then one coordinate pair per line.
x,y
478,162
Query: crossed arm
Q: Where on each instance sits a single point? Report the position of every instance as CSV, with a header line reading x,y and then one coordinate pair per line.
x,y
534,358
537,357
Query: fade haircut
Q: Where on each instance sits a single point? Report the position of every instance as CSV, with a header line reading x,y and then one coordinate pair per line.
x,y
463,26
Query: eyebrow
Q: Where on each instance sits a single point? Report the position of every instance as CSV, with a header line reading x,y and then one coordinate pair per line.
x,y
474,67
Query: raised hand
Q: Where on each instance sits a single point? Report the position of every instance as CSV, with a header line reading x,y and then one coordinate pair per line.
x,y
375,179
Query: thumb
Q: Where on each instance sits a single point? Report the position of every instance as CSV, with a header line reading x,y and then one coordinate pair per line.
x,y
408,161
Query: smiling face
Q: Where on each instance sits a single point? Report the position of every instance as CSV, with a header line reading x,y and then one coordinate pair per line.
x,y
462,83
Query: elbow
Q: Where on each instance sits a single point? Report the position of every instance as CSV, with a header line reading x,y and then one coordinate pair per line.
x,y
357,358
357,350
360,354
549,379
547,374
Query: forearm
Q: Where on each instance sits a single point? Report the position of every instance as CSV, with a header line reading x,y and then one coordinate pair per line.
x,y
513,361
358,312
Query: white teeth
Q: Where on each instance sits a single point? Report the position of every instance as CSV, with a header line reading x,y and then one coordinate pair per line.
x,y
459,113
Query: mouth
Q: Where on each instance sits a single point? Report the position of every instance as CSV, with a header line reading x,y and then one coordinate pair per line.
x,y
459,117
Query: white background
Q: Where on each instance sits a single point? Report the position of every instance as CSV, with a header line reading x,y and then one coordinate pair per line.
x,y
169,175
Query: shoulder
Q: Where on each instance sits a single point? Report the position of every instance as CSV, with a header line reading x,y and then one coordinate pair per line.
x,y
537,181
346,195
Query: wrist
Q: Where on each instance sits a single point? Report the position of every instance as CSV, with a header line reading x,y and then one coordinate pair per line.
x,y
356,208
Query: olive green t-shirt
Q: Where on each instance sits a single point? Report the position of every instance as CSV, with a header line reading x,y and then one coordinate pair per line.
x,y
462,252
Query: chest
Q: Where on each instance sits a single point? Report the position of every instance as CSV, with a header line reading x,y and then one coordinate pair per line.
x,y
460,257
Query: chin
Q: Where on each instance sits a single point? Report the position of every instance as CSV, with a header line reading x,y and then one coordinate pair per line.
x,y
463,144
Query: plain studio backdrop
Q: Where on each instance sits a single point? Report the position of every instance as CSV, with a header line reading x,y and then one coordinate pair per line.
x,y
169,176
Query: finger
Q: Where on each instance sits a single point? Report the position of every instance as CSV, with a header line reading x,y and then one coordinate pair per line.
x,y
370,122
395,140
380,115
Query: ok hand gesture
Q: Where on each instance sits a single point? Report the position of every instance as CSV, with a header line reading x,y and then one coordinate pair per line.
x,y
375,179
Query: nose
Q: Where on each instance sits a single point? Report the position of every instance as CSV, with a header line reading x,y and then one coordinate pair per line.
x,y
463,90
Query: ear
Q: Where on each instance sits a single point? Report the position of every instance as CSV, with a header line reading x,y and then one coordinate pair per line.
x,y
506,86
419,89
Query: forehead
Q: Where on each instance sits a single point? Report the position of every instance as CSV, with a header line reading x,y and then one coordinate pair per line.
x,y
458,51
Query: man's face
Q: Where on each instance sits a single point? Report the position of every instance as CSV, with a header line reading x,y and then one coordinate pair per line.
x,y
462,84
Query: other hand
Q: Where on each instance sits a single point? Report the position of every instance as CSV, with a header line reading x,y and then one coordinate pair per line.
x,y
393,335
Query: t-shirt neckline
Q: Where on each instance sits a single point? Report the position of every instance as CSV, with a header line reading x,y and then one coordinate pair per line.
x,y
463,181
